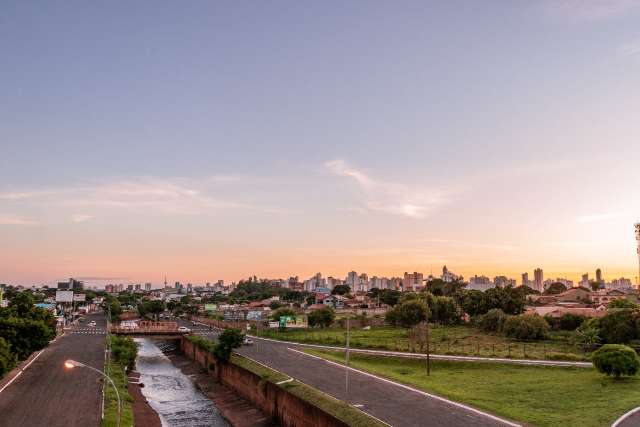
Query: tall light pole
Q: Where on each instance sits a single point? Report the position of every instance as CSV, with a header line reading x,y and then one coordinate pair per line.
x,y
70,364
637,226
346,364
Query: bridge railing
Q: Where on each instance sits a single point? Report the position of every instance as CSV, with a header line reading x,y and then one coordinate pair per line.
x,y
145,327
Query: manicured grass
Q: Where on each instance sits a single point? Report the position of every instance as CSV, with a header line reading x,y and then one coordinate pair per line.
x,y
116,372
350,415
456,340
538,396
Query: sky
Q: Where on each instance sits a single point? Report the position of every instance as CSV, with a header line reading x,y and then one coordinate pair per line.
x,y
217,140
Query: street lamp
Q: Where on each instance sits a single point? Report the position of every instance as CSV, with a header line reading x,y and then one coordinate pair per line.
x,y
70,364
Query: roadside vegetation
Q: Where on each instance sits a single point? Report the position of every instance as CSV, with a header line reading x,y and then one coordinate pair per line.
x,y
538,396
24,329
123,355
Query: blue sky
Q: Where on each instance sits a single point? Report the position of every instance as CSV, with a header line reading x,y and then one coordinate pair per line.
x,y
386,136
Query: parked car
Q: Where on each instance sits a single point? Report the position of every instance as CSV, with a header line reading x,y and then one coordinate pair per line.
x,y
184,329
92,323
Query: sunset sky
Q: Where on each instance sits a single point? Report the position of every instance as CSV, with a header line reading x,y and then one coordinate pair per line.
x,y
212,140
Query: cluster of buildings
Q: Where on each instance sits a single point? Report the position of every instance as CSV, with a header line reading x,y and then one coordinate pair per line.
x,y
358,283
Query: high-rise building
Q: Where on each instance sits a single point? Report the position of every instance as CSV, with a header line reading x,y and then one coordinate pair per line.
x,y
538,280
525,279
599,276
585,281
412,281
147,287
352,279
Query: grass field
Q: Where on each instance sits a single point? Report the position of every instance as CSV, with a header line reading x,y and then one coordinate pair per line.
x,y
538,396
116,372
457,340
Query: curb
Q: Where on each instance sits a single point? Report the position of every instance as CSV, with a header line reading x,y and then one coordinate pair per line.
x,y
415,390
620,420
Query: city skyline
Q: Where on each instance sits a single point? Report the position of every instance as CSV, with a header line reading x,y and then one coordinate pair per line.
x,y
223,140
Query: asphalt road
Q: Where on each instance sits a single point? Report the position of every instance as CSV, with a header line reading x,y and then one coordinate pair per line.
x,y
391,403
631,421
48,395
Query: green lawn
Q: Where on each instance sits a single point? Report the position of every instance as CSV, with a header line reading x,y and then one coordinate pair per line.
x,y
538,396
116,372
457,340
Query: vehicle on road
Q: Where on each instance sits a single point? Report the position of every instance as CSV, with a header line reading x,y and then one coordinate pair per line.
x,y
184,329
92,323
247,341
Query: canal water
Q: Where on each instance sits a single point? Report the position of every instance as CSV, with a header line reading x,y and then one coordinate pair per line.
x,y
171,393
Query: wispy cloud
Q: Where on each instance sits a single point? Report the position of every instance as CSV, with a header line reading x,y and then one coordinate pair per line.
x,y
17,220
149,195
466,244
81,217
630,49
590,10
387,197
583,219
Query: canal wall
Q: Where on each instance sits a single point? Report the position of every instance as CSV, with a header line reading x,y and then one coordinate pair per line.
x,y
289,409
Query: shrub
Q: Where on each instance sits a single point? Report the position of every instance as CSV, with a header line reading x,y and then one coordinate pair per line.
x,y
616,360
526,327
620,326
492,321
322,318
407,314
227,341
200,342
124,350
7,359
566,322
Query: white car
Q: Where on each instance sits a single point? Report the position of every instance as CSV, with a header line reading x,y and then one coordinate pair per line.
x,y
92,323
184,329
247,341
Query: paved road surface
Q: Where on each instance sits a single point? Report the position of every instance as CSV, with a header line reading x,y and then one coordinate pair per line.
x,y
391,403
631,421
47,395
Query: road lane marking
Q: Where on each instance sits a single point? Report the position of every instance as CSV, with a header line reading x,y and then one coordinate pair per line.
x,y
424,393
527,362
318,390
12,380
22,370
620,420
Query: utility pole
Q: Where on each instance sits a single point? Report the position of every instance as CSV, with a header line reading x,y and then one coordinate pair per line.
x,y
428,348
346,364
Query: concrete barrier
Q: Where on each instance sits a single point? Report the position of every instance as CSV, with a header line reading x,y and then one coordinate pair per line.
x,y
275,401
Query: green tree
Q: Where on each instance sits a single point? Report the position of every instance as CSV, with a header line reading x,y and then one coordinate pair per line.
x,y
492,321
622,303
407,314
341,290
7,358
526,327
390,297
616,360
22,303
155,307
322,318
619,326
555,288
274,305
228,340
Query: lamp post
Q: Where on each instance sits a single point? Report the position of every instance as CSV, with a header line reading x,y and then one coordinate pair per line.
x,y
70,364
346,364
